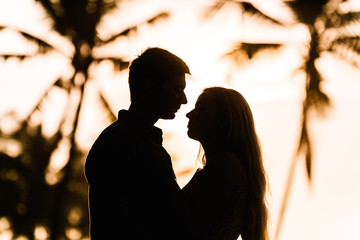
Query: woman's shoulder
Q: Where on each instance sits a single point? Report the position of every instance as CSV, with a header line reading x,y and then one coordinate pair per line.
x,y
230,164
228,159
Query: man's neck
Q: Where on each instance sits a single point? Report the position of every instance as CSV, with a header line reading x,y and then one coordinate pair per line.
x,y
144,113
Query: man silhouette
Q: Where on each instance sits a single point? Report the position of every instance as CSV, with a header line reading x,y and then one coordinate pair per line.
x,y
133,192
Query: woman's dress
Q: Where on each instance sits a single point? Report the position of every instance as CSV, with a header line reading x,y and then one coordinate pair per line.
x,y
216,196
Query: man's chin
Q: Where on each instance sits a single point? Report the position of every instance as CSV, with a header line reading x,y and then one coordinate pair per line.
x,y
168,116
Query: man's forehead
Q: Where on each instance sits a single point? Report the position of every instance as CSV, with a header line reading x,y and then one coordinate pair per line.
x,y
178,80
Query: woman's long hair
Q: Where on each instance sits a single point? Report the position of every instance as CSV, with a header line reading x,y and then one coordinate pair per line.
x,y
241,137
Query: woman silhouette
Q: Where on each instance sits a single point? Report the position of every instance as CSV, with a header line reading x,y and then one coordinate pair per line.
x,y
227,196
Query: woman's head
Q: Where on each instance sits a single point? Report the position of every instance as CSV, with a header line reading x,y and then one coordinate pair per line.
x,y
222,117
204,122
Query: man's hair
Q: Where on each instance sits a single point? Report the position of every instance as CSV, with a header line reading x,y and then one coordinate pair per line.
x,y
155,64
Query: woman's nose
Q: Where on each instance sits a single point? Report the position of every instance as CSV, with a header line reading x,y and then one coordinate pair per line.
x,y
188,115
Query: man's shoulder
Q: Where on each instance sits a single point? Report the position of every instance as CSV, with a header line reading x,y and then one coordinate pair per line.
x,y
107,152
115,130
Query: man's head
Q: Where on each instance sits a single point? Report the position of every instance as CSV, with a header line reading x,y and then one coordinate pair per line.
x,y
158,77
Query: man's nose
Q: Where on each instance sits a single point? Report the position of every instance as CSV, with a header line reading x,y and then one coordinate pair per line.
x,y
183,98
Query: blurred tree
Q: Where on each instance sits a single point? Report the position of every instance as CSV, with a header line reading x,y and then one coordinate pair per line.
x,y
36,197
333,27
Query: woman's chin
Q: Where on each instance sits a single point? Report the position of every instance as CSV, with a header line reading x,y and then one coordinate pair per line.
x,y
191,135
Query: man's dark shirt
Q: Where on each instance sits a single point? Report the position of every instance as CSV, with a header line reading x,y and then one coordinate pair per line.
x,y
133,192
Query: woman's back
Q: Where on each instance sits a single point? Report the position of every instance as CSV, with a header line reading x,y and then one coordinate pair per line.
x,y
217,196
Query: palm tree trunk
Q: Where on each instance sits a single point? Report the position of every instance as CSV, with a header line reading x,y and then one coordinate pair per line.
x,y
286,195
81,66
314,98
60,217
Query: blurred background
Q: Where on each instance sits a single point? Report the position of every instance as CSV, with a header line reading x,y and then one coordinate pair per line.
x,y
63,77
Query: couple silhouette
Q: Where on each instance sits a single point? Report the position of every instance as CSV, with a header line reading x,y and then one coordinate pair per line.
x,y
133,193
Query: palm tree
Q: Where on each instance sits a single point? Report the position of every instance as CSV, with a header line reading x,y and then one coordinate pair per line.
x,y
332,29
34,198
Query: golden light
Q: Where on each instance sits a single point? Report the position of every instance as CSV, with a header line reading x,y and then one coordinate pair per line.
x,y
328,209
41,233
73,233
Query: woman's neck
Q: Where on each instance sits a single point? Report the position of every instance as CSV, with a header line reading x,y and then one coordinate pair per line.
x,y
213,149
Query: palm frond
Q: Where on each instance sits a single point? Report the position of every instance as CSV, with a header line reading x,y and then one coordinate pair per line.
x,y
214,8
108,6
352,43
52,9
250,9
245,7
307,11
75,19
347,48
338,19
350,17
158,17
244,52
63,84
119,63
133,29
20,57
43,46
60,83
124,33
59,16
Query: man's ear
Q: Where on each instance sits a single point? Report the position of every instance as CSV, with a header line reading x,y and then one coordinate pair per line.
x,y
152,87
